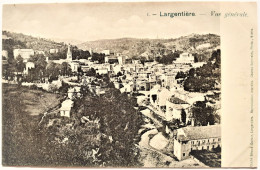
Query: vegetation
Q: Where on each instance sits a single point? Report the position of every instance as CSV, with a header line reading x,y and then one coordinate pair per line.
x,y
120,123
180,74
167,59
206,77
18,40
204,114
183,116
23,142
28,143
98,57
135,47
210,158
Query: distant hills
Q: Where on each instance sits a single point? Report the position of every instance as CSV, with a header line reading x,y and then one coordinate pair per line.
x,y
200,45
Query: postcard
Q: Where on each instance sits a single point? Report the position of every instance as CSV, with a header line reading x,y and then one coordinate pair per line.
x,y
130,85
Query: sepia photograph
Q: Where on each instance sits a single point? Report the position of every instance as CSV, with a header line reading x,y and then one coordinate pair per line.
x,y
129,85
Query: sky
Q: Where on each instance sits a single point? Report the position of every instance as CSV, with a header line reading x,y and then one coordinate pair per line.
x,y
94,21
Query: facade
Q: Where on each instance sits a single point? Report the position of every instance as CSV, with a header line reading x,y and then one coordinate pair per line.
x,y
185,58
196,138
24,53
66,108
74,66
121,59
174,108
53,51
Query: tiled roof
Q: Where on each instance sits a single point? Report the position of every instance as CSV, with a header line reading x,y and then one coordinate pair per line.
x,y
200,132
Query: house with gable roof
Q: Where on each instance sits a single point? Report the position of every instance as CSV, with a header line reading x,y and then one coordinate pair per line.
x,y
196,138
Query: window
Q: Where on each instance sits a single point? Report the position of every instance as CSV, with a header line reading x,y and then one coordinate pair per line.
x,y
218,139
183,154
213,140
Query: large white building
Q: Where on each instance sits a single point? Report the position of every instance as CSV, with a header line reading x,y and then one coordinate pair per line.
x,y
185,58
52,51
196,138
24,53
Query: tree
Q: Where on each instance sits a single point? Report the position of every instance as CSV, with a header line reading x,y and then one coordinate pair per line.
x,y
98,57
19,64
52,71
204,114
183,116
119,122
65,69
119,74
168,59
91,72
180,74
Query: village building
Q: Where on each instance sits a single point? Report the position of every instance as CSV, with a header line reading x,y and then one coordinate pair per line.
x,y
53,51
74,65
66,108
196,138
175,107
185,58
24,53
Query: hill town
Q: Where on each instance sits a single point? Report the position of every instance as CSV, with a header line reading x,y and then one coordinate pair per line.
x,y
112,103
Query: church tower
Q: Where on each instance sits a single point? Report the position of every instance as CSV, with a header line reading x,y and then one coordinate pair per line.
x,y
69,54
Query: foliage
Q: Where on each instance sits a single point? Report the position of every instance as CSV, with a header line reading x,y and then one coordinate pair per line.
x,y
168,59
25,143
98,57
180,74
204,114
79,54
119,120
204,78
183,116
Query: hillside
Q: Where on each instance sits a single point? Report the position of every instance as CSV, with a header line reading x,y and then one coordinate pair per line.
x,y
17,40
202,45
199,45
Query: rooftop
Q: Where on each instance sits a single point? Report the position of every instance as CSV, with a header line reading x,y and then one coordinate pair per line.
x,y
200,132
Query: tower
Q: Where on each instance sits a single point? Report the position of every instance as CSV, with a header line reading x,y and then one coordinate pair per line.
x,y
69,54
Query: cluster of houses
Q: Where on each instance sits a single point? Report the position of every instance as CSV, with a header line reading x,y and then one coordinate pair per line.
x,y
157,88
